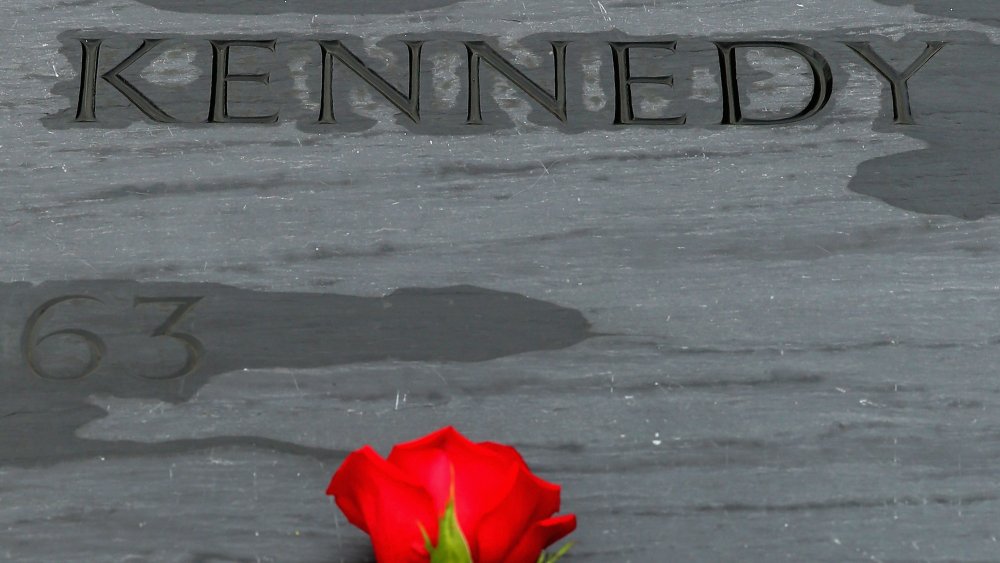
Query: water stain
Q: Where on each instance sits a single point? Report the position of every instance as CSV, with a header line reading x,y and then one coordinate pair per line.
x,y
953,99
166,340
267,7
970,10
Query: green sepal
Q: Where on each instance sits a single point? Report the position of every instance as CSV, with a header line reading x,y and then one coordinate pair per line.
x,y
546,558
452,546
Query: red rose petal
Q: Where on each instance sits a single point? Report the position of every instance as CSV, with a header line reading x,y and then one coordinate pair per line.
x,y
541,535
530,500
539,483
383,501
504,450
430,468
483,476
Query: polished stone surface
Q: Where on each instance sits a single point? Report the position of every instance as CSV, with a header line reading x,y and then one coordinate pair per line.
x,y
727,343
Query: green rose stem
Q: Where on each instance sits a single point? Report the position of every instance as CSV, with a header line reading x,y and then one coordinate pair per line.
x,y
546,558
452,546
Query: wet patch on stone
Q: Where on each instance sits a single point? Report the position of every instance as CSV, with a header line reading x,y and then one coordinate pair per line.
x,y
63,342
267,7
952,101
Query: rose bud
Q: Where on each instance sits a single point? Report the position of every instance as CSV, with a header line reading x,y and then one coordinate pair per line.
x,y
445,499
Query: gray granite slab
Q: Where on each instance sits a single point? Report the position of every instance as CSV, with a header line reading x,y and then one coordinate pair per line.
x,y
726,342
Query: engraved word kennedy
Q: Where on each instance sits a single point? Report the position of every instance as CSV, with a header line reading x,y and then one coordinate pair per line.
x,y
553,100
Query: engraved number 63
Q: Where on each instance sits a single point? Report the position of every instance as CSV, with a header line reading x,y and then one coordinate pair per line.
x,y
98,349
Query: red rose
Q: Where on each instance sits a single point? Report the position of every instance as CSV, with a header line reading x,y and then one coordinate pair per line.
x,y
504,511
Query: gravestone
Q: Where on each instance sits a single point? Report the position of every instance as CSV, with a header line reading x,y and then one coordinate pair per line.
x,y
725,271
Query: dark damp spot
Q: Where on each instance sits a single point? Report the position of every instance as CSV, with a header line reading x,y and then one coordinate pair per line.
x,y
166,340
265,7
